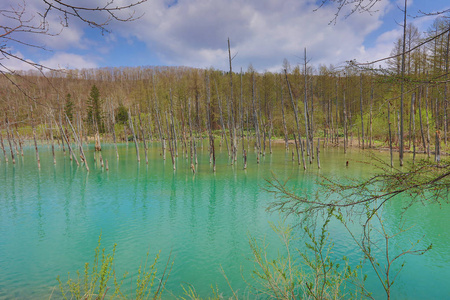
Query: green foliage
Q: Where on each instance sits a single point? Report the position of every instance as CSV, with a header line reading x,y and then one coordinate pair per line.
x,y
68,108
94,110
122,114
361,202
93,283
311,273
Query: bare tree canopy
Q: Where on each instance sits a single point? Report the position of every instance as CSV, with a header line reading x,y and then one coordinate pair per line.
x,y
25,19
349,7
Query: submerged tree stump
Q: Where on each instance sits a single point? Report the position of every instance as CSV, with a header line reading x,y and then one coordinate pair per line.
x,y
98,146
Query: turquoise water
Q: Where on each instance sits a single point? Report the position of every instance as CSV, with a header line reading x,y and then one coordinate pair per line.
x,y
50,220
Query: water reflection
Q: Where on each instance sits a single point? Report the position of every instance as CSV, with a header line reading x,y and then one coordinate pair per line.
x,y
51,219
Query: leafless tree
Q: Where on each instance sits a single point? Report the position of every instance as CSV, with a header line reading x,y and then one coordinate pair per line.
x,y
21,22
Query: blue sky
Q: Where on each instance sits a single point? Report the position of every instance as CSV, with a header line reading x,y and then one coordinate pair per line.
x,y
194,33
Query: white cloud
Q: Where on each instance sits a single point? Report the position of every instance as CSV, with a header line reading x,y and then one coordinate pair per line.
x,y
262,32
63,60
15,64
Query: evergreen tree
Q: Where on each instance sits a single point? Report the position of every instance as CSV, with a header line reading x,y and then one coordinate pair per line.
x,y
94,112
68,109
122,114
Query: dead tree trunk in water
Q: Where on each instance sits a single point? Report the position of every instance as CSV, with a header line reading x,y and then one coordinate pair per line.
x,y
231,108
447,50
361,109
437,150
370,117
294,107
241,117
161,135
80,144
171,150
34,137
413,113
174,133
422,134
212,154
53,143
345,123
71,153
143,135
402,86
305,105
113,129
286,139
3,147
222,124
9,140
134,135
20,141
318,151
192,137
390,134
428,123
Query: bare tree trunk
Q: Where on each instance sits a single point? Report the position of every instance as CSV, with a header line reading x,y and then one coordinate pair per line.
x,y
437,149
230,105
143,135
255,116
192,138
245,159
222,124
398,128
345,123
370,117
3,147
171,150
161,136
311,119
361,109
71,153
390,134
14,142
20,141
9,140
34,137
212,156
318,151
286,139
447,50
174,133
294,107
419,104
402,86
305,105
242,118
80,145
336,139
428,123
113,129
413,112
134,135
53,143
270,131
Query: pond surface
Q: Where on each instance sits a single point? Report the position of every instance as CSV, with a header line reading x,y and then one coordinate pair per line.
x,y
51,219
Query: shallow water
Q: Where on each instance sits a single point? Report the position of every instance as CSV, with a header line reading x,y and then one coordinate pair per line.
x,y
50,220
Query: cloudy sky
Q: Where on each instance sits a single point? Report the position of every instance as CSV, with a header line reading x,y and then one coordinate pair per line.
x,y
194,33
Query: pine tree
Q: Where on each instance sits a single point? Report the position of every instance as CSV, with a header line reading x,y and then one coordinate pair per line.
x,y
94,112
68,109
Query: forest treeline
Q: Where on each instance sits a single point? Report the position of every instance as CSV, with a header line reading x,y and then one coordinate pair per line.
x,y
356,104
